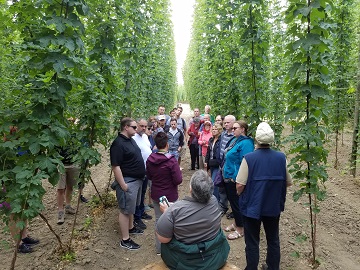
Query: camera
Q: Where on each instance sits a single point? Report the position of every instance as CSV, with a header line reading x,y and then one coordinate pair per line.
x,y
164,199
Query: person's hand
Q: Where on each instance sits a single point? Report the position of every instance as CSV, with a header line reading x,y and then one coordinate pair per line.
x,y
163,207
124,187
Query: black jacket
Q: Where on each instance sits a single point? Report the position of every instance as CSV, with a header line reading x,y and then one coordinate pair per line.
x,y
213,161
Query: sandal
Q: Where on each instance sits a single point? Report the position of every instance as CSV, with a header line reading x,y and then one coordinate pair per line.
x,y
234,235
230,228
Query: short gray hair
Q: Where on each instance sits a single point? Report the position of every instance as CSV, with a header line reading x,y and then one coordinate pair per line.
x,y
202,186
231,118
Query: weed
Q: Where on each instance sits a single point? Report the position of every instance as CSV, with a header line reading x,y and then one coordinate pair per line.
x,y
69,256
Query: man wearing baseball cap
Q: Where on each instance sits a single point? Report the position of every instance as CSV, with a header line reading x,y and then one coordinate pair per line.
x,y
262,181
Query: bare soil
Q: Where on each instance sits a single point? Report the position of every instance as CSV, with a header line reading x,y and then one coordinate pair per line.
x,y
96,242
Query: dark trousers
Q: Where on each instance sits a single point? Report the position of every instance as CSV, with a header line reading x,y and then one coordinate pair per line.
x,y
194,154
234,203
252,240
139,211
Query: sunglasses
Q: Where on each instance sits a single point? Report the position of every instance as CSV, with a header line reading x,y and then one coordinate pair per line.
x,y
235,128
134,127
149,128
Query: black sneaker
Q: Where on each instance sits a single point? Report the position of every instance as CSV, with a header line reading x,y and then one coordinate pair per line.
x,y
30,241
146,216
130,245
23,248
140,224
83,199
136,230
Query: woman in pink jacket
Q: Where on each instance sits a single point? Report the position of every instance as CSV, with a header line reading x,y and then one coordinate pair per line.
x,y
203,141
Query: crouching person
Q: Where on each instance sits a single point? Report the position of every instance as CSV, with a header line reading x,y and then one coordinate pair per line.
x,y
189,229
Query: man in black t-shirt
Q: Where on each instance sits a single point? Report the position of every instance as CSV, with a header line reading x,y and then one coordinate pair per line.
x,y
129,170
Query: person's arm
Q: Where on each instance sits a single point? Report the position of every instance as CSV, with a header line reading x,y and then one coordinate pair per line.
x,y
190,132
241,178
163,239
176,174
200,140
119,177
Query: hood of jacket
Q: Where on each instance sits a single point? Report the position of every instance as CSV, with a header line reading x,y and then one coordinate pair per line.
x,y
158,158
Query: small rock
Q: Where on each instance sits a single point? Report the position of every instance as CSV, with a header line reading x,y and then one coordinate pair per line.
x,y
86,260
99,250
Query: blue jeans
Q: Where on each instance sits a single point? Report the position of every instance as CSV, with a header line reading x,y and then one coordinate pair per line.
x,y
175,154
252,240
213,171
223,202
139,211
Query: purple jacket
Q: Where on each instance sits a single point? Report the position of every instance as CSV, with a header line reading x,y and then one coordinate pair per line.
x,y
164,172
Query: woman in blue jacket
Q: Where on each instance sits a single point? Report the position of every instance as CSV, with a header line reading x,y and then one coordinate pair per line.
x,y
237,147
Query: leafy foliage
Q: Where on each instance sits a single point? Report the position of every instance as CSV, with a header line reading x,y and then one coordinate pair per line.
x,y
92,62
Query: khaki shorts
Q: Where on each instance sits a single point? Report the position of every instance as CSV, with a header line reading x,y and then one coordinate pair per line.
x,y
182,152
70,177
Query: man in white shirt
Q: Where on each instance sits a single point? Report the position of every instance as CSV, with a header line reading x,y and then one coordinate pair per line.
x,y
143,143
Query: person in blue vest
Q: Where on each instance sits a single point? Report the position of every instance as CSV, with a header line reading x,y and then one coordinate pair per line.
x,y
262,181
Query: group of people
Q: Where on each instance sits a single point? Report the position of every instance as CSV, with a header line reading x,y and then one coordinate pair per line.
x,y
148,153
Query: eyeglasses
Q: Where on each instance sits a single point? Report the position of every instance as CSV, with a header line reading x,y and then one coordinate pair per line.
x,y
134,127
235,128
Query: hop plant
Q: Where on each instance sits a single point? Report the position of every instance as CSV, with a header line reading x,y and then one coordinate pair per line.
x,y
4,206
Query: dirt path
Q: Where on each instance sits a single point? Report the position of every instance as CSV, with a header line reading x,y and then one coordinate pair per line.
x,y
97,232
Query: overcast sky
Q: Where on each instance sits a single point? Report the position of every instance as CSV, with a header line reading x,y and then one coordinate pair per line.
x,y
182,12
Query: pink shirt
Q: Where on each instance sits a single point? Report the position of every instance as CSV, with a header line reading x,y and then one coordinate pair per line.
x,y
204,141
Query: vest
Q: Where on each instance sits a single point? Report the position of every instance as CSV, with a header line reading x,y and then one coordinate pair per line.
x,y
211,254
265,190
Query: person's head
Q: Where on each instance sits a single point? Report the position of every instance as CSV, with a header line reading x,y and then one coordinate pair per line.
x,y
150,129
196,112
141,126
201,186
196,121
152,121
179,111
206,117
128,126
207,109
173,113
240,128
264,135
173,123
216,130
162,120
219,119
161,140
207,126
228,122
161,109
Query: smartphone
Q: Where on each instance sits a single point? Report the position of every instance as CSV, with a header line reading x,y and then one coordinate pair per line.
x,y
165,200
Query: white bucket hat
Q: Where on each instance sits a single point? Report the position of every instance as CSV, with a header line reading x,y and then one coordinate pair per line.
x,y
264,134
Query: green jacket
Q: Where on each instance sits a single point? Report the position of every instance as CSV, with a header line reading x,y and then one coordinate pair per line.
x,y
205,255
